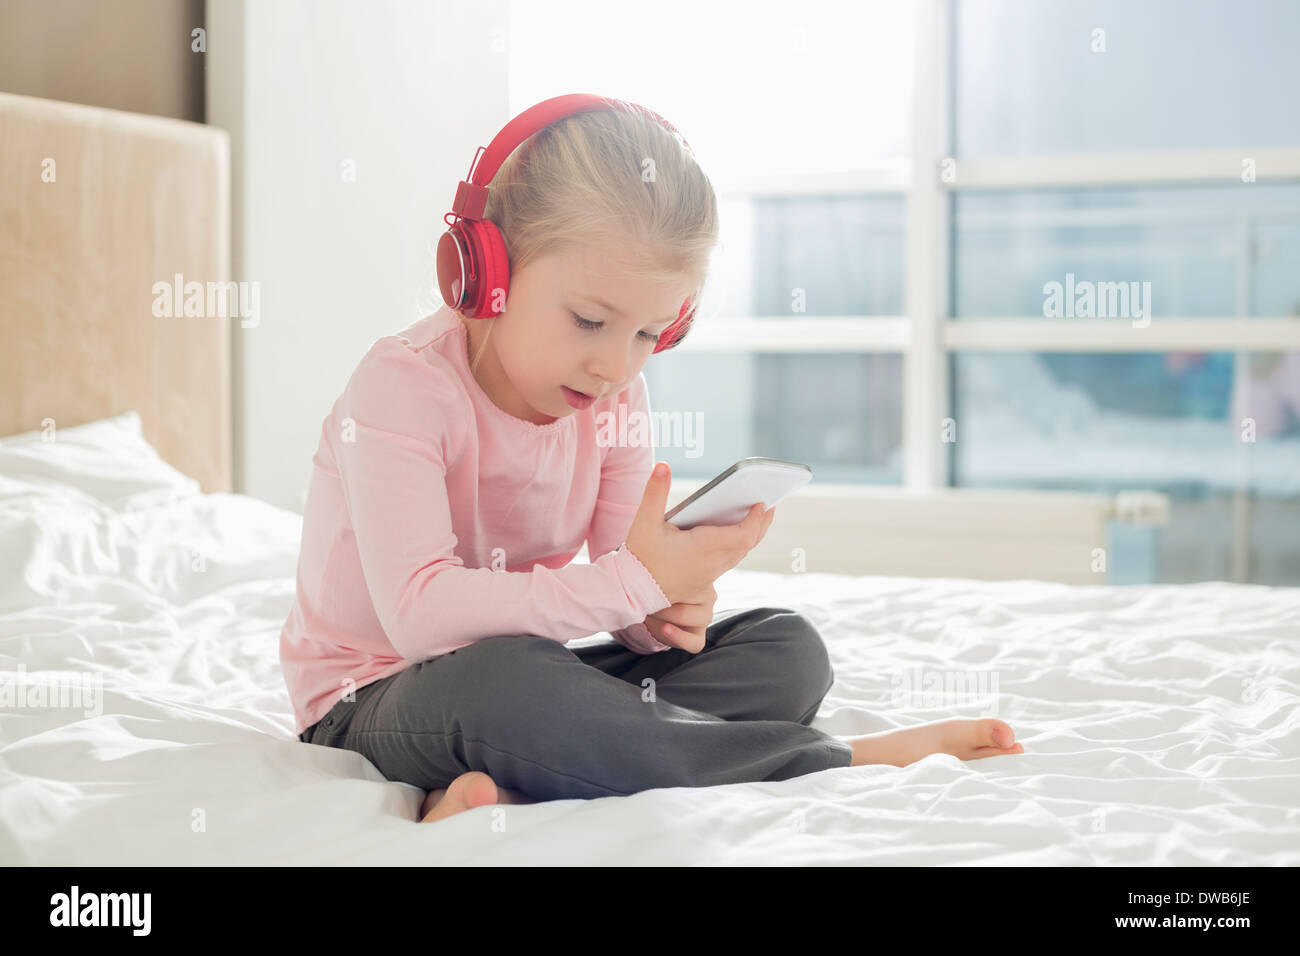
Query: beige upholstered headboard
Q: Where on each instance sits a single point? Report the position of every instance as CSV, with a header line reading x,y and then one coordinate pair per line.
x,y
96,207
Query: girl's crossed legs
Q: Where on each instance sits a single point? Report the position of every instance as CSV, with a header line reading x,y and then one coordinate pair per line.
x,y
520,718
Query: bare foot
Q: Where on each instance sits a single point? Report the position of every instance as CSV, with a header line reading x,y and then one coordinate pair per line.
x,y
469,790
967,739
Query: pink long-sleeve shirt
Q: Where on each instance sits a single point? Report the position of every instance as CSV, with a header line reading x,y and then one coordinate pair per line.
x,y
435,519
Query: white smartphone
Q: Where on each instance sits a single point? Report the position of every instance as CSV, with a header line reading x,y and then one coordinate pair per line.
x,y
727,498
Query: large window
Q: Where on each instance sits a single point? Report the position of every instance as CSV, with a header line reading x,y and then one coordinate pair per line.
x,y
1203,251
1037,78
1070,231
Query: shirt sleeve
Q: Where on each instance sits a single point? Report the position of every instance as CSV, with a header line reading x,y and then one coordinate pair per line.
x,y
406,420
623,477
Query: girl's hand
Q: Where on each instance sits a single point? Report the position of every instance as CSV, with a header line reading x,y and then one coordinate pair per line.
x,y
684,625
685,562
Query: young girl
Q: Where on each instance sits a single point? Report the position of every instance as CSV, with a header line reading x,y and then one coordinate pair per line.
x,y
463,467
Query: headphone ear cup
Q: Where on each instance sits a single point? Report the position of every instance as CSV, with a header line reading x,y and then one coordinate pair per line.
x,y
677,331
490,265
453,267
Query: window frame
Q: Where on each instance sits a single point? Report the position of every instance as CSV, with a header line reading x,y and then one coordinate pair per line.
x,y
927,335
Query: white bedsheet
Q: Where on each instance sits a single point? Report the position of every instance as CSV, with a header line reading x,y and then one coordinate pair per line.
x,y
1160,723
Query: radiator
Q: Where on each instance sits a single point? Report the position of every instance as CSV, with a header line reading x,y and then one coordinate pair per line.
x,y
947,532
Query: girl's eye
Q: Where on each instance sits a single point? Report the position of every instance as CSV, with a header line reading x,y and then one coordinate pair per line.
x,y
588,324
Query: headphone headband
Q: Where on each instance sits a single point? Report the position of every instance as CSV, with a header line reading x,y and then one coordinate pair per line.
x,y
472,193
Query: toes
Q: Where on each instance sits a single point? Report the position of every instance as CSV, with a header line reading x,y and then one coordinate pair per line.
x,y
1000,733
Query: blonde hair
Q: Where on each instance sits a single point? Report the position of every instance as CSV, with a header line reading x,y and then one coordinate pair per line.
x,y
609,175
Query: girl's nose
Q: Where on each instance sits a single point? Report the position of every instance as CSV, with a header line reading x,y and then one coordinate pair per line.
x,y
612,367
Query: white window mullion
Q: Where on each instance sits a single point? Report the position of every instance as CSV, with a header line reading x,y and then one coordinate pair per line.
x,y
925,380
893,333
1163,167
1241,504
1162,334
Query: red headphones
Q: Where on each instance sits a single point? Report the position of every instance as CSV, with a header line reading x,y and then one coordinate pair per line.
x,y
472,260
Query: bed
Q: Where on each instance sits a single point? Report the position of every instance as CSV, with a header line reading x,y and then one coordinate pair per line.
x,y
144,719
1160,724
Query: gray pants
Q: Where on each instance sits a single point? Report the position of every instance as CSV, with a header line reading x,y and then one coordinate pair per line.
x,y
558,722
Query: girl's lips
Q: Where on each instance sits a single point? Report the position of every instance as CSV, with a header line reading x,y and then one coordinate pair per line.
x,y
578,400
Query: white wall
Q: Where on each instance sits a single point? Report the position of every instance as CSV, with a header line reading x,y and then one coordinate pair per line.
x,y
302,85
